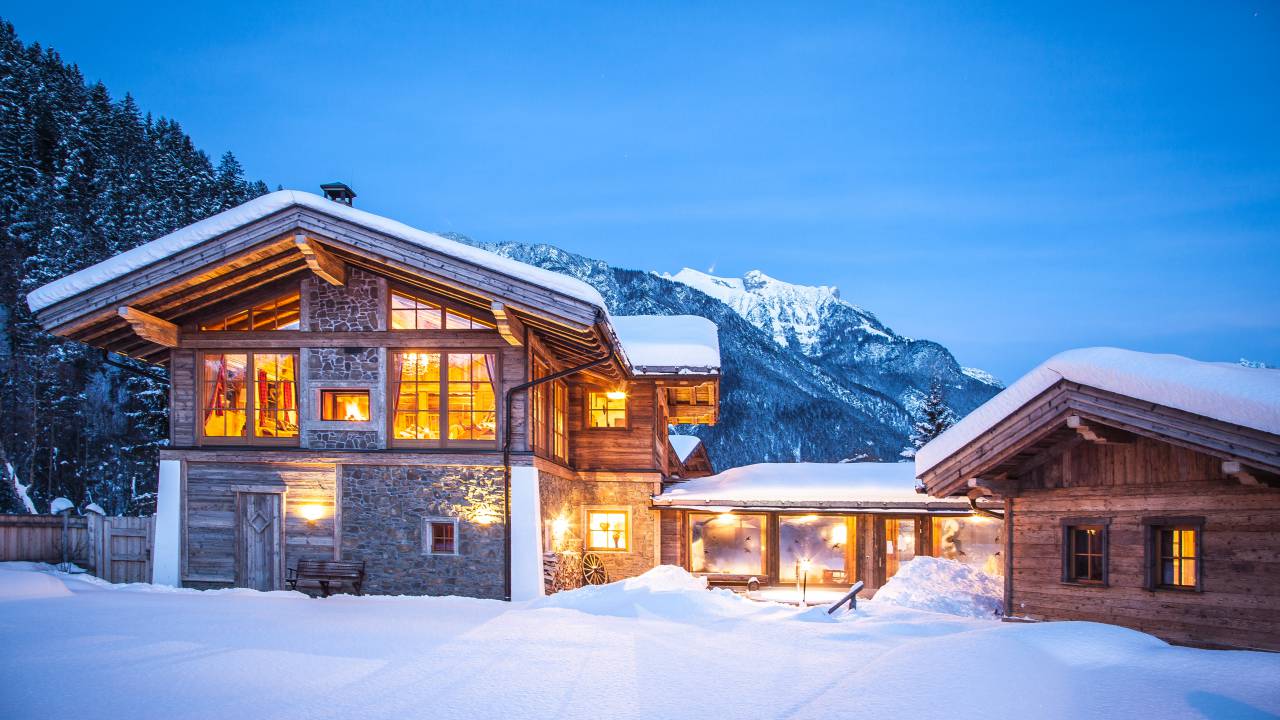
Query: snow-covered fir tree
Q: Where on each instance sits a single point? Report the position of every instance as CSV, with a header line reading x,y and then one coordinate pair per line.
x,y
84,177
935,416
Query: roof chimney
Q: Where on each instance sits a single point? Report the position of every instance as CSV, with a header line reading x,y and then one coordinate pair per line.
x,y
339,192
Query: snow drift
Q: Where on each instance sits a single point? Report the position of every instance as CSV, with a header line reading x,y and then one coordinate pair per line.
x,y
944,586
20,584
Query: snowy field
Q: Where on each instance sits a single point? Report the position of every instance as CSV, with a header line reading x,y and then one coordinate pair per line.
x,y
653,647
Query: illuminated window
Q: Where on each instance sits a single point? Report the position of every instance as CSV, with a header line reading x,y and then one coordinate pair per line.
x,y
417,409
1085,552
414,313
819,546
1174,553
470,412
473,409
606,409
411,313
727,544
282,313
975,540
559,420
440,536
231,402
344,405
607,530
538,407
899,544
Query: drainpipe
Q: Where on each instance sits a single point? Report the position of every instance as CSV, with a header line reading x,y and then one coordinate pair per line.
x,y
506,445
973,504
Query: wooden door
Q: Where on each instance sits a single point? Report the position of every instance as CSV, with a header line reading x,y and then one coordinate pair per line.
x,y
126,549
258,541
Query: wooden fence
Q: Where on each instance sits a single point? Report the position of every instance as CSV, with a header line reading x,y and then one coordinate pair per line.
x,y
117,549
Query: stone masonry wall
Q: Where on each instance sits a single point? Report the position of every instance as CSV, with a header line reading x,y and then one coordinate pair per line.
x,y
343,440
570,498
383,508
355,364
354,307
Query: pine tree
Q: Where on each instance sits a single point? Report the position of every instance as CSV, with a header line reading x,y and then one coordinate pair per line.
x,y
935,417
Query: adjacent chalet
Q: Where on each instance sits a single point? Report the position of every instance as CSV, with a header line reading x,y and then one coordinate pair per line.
x,y
834,523
346,387
1141,490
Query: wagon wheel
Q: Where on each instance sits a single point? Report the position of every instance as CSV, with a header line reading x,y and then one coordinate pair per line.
x,y
593,571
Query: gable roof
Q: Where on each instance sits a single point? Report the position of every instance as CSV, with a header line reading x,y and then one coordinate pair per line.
x,y
667,344
684,445
262,207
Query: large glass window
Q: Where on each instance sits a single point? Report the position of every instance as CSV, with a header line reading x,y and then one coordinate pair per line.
x,y
607,530
473,409
815,545
607,409
560,420
230,403
899,544
409,312
538,407
727,544
974,540
470,412
281,313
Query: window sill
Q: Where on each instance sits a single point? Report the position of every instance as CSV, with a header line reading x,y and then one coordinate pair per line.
x,y
1083,584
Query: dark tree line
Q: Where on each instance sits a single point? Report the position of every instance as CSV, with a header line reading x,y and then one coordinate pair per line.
x,y
83,177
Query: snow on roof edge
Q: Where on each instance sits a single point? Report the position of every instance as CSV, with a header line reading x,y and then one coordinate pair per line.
x,y
1229,392
673,343
229,220
766,483
684,445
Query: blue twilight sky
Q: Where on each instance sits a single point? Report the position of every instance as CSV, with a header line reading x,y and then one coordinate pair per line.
x,y
1008,179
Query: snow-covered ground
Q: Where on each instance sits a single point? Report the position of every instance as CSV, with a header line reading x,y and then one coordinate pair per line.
x,y
659,646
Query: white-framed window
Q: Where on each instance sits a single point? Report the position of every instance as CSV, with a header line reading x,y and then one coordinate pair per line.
x,y
439,536
608,529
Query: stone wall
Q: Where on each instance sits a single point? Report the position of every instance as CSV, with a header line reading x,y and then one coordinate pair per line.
x,y
569,499
383,508
355,364
343,439
359,305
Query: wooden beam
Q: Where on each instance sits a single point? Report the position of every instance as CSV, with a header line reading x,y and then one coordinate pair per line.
x,y
150,327
322,263
509,326
1003,487
1239,471
1096,433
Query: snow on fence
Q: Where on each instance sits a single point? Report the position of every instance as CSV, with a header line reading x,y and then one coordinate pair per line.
x,y
117,549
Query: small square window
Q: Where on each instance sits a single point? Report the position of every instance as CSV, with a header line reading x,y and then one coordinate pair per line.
x,y
440,536
608,530
344,405
607,409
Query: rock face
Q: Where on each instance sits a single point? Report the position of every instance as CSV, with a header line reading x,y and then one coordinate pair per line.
x,y
807,376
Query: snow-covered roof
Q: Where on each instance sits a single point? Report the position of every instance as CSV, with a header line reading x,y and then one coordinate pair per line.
x,y
669,343
684,445
1229,392
271,203
828,485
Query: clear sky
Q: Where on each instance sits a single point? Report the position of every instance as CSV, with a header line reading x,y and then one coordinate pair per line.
x,y
1008,179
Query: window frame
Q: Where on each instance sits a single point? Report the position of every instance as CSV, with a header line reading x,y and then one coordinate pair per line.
x,y
445,306
767,553
539,407
624,510
246,303
1151,528
428,535
587,392
559,421
1103,525
393,393
251,391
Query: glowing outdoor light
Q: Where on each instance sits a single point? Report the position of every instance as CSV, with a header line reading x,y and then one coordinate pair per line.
x,y
311,512
616,394
484,515
559,528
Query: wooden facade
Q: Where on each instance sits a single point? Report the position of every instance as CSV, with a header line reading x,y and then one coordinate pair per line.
x,y
1079,462
261,327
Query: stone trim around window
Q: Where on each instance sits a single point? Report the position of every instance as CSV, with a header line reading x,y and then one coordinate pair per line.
x,y
429,535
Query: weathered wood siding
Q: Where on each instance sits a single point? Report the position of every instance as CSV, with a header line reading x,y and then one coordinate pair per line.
x,y
39,538
209,529
625,449
182,398
1240,602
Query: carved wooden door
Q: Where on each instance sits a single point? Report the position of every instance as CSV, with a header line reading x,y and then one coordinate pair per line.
x,y
258,541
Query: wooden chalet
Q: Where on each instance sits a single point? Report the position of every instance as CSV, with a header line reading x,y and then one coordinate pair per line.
x,y
1140,490
345,387
825,524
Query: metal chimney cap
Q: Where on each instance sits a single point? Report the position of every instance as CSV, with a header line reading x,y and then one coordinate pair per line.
x,y
339,192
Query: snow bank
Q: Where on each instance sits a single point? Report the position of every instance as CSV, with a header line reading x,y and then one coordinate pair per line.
x,y
271,203
667,592
684,445
944,586
766,483
18,584
657,343
1223,391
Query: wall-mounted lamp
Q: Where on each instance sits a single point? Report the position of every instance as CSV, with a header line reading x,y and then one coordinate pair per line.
x,y
616,394
311,512
485,515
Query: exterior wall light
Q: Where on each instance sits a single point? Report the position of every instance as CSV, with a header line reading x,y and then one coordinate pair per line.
x,y
618,394
311,512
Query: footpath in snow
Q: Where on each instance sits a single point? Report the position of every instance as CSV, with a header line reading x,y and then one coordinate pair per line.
x,y
657,646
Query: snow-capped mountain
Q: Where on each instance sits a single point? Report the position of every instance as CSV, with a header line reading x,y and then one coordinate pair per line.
x,y
805,376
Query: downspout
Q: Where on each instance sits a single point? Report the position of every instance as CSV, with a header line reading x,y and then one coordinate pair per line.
x,y
973,504
506,445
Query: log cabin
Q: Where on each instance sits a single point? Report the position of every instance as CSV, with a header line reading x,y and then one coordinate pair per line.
x,y
1140,490
346,387
823,524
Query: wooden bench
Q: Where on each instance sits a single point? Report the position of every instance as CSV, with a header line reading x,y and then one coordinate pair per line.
x,y
328,574
851,598
747,582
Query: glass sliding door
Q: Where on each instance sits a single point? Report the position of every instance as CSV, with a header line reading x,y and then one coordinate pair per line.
x,y
727,544
820,546
899,544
